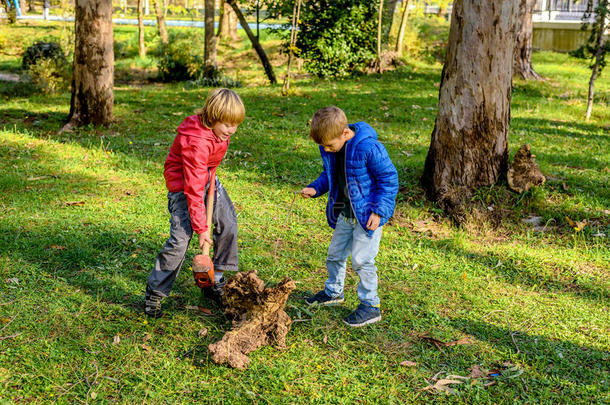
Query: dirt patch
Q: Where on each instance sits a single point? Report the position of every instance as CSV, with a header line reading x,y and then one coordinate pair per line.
x,y
258,318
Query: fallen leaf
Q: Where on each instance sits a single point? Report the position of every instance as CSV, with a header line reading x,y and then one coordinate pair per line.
x,y
325,339
5,320
476,372
13,280
57,247
570,222
146,337
580,225
203,332
564,186
278,114
116,340
464,276
439,343
146,347
443,385
408,363
532,220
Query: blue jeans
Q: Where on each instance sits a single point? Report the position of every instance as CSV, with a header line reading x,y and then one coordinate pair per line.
x,y
350,238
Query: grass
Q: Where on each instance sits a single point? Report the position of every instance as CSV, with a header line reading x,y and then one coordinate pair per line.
x,y
83,215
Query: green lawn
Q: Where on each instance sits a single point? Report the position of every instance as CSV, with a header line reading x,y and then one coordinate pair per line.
x,y
83,215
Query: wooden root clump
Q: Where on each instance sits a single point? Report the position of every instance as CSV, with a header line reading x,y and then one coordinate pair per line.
x,y
524,172
258,318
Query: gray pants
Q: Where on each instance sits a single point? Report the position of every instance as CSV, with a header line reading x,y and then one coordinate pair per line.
x,y
169,260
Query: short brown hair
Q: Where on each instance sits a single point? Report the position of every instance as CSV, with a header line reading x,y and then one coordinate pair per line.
x,y
327,123
222,105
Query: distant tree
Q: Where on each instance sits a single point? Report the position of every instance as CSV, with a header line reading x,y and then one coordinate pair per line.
x,y
93,77
388,19
596,47
209,55
523,48
160,21
141,44
255,43
404,16
469,145
227,23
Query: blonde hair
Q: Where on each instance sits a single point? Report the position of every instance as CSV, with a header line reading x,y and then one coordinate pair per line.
x,y
327,123
222,105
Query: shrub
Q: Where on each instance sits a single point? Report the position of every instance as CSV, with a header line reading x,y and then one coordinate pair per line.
x,y
215,78
337,38
182,58
51,75
42,50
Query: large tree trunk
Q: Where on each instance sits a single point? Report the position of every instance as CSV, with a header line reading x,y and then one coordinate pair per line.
x,y
93,77
257,46
209,54
141,44
523,47
469,146
596,65
403,27
388,19
160,22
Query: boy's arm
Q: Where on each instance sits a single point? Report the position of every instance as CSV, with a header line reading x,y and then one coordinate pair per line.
x,y
386,175
196,176
320,184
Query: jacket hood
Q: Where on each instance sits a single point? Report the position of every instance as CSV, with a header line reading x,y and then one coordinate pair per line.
x,y
192,126
362,131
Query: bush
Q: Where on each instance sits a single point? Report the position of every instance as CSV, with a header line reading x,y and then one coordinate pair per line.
x,y
51,75
182,58
337,38
215,78
42,50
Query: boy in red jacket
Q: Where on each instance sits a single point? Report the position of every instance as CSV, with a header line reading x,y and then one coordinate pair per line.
x,y
196,152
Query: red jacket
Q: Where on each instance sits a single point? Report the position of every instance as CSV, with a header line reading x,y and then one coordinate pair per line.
x,y
192,160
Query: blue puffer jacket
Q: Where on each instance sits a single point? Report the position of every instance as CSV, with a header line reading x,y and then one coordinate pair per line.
x,y
371,178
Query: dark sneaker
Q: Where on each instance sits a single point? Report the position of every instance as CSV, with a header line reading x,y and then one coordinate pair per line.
x,y
215,292
363,315
322,299
153,306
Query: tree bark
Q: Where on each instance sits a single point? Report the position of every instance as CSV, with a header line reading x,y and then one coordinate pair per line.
x,y
93,77
523,48
469,145
257,46
227,23
388,20
596,66
160,22
31,6
379,67
403,27
296,14
141,44
209,54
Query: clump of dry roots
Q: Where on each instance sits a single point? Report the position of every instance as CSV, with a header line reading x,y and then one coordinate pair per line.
x,y
524,172
258,318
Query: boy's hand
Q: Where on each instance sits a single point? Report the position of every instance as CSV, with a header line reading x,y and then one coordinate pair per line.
x,y
204,237
308,192
373,222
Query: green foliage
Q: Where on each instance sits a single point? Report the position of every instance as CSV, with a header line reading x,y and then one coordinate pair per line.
x,y
182,58
600,11
51,75
42,50
337,38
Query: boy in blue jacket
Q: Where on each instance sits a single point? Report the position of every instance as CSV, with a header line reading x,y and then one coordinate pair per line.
x,y
362,183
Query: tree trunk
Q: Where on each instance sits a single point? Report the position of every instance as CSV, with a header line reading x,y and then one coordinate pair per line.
x,y
31,6
296,14
257,46
596,66
523,48
209,54
93,77
469,145
222,17
45,10
379,67
388,20
227,24
403,27
160,22
141,44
